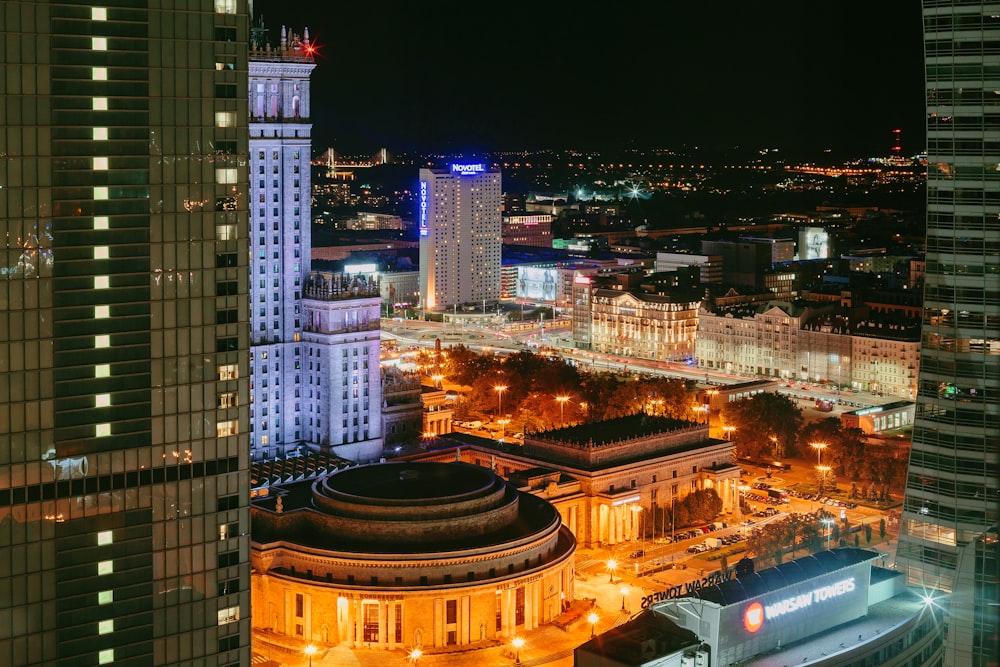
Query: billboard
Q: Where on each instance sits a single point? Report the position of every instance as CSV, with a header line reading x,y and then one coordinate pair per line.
x,y
814,243
537,284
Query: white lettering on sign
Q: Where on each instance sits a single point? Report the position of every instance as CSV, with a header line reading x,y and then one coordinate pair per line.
x,y
468,169
797,602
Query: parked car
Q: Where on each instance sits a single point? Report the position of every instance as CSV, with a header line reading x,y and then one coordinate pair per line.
x,y
638,553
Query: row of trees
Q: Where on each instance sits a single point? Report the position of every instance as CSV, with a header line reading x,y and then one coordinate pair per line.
x,y
772,542
532,384
770,425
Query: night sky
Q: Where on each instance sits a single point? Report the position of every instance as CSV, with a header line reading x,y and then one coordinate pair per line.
x,y
465,76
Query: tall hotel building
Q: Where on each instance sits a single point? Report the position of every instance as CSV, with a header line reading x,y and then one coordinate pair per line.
x,y
948,542
315,337
460,222
124,333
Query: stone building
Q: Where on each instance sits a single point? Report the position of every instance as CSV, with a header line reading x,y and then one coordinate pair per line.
x,y
603,476
643,325
400,555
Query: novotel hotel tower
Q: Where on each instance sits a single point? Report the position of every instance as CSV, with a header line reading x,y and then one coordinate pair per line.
x,y
458,212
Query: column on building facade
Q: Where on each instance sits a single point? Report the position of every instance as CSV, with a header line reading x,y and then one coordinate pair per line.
x,y
391,632
357,623
383,615
529,605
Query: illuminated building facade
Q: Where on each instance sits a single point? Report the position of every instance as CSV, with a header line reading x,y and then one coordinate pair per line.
x,y
280,130
948,530
604,477
527,229
459,223
124,330
643,326
407,555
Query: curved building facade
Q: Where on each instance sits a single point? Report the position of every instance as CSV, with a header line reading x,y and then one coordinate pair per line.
x,y
406,555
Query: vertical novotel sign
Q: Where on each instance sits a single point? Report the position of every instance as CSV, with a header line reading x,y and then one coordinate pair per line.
x,y
468,169
423,208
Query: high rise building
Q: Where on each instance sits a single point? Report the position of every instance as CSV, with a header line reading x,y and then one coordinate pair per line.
x,y
314,335
948,539
459,221
124,341
280,145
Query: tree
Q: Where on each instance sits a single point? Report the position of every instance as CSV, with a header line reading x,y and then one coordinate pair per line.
x,y
881,528
760,418
868,533
724,564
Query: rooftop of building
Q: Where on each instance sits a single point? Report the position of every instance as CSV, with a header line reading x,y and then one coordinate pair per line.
x,y
755,584
646,636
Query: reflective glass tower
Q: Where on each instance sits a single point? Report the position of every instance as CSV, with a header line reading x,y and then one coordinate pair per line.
x,y
948,540
124,333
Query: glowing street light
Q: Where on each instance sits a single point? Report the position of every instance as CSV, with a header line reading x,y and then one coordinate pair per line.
x,y
561,400
828,522
414,656
593,619
310,651
728,430
701,410
819,447
611,569
517,643
500,389
624,592
503,425
437,380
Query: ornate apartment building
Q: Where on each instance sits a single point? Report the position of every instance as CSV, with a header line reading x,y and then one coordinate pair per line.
x,y
641,325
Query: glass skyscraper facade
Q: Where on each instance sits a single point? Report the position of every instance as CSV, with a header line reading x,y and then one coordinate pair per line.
x,y
124,333
948,540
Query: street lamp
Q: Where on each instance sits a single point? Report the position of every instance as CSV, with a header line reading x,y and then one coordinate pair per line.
x,y
414,656
821,472
728,430
819,447
701,410
561,400
503,424
437,380
500,389
611,569
593,619
517,642
829,529
310,651
624,592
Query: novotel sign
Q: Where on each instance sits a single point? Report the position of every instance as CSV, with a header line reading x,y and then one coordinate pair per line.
x,y
468,169
423,208
756,613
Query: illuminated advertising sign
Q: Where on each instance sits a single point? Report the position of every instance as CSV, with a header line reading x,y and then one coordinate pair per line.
x,y
423,208
537,283
755,614
468,169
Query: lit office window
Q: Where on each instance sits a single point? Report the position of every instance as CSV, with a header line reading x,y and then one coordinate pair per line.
x,y
104,340
100,134
225,119
102,370
105,567
225,232
101,312
102,400
100,104
105,597
98,14
101,222
229,615
99,43
105,537
101,252
226,428
105,627
102,282
100,164
102,430
99,73
101,193
227,175
229,372
106,657
225,6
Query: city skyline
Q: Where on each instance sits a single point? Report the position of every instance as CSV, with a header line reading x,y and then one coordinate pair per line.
x,y
840,77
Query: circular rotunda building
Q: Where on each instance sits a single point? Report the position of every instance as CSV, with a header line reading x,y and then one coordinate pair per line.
x,y
401,555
